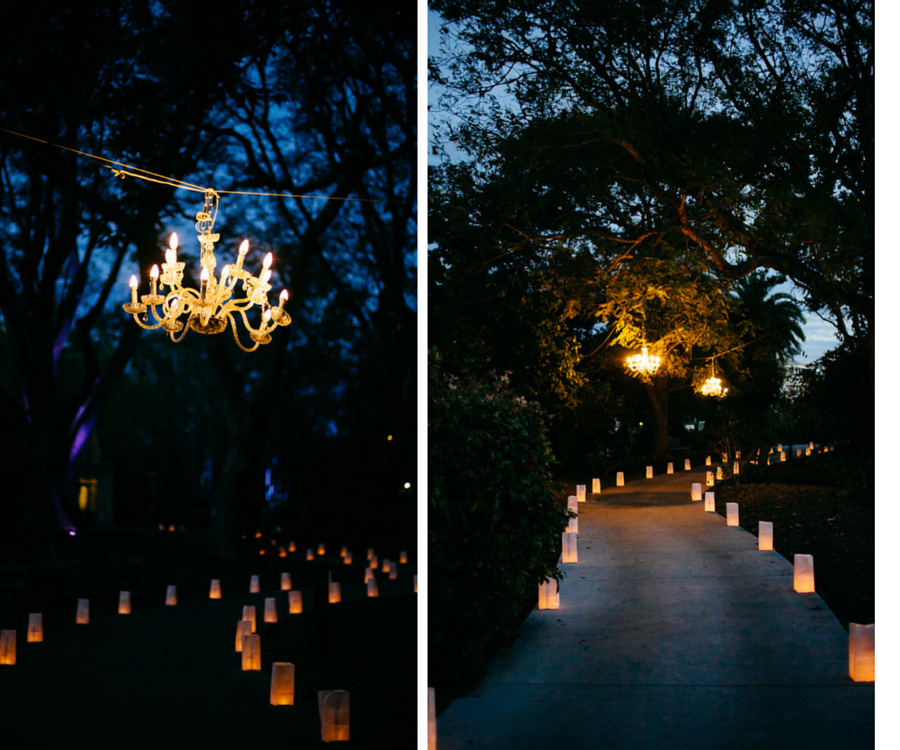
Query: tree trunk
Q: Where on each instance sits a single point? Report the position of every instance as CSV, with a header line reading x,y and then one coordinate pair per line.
x,y
658,393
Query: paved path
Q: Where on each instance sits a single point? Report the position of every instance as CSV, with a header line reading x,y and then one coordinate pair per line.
x,y
674,631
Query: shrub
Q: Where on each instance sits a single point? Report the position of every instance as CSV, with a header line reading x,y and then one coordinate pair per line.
x,y
494,519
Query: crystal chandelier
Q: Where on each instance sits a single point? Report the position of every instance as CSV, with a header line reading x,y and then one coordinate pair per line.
x,y
212,308
712,386
643,363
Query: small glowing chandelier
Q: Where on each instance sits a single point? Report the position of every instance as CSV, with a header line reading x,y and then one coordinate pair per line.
x,y
712,386
643,363
212,308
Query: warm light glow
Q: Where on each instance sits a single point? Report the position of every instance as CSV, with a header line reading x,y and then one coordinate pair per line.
x,y
251,657
804,578
35,627
281,689
862,652
154,272
643,363
267,261
569,547
270,614
133,283
173,242
8,647
283,296
334,715
713,387
295,602
548,595
204,275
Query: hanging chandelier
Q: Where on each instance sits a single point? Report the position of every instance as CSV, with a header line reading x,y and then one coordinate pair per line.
x,y
643,363
712,386
211,309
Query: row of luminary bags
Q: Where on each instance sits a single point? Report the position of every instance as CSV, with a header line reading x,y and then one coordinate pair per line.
x,y
334,705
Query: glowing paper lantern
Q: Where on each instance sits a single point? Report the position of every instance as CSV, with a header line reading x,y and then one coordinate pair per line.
x,y
292,547
766,535
862,652
243,628
250,614
254,584
719,473
432,721
370,553
709,479
737,468
348,559
35,628
310,555
709,460
804,580
282,552
620,479
811,446
386,566
285,581
416,583
782,456
696,492
687,464
403,558
709,502
82,614
334,593
731,514
737,455
798,453
295,602
372,588
670,468
321,549
271,612
215,589
373,563
334,715
649,472
548,595
572,528
343,551
808,452
281,691
392,572
780,449
124,602
370,574
171,596
569,547
595,486
251,657
725,458
581,492
8,647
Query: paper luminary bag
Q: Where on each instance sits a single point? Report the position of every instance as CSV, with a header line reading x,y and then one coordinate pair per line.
x,y
295,602
83,612
310,555
548,595
370,574
649,473
215,589
709,479
403,558
249,613
321,549
334,715
766,535
35,627
285,581
281,689
620,479
687,464
334,593
372,588
569,547
124,602
392,572
271,612
8,647
581,492
670,468
251,658
348,558
595,486
171,596
804,579
243,628
709,504
731,514
862,652
254,584
696,491
343,551
432,721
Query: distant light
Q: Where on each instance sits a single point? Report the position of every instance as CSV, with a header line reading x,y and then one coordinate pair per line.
x,y
406,486
71,533
390,437
640,424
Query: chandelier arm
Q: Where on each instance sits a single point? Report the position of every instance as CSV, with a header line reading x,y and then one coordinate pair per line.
x,y
181,337
145,326
236,339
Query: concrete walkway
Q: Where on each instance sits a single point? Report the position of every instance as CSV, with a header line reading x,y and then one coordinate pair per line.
x,y
674,631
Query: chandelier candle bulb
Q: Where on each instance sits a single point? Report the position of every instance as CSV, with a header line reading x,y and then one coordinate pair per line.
x,y
281,690
254,584
620,479
372,588
282,298
334,715
8,647
862,652
548,595
285,581
271,612
670,468
569,547
295,602
804,580
731,514
709,502
249,613
35,627
696,491
595,486
766,535
243,628
251,658
124,602
215,589
133,283
82,613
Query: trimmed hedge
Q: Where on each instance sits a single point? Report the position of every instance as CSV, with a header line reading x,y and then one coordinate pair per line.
x,y
494,520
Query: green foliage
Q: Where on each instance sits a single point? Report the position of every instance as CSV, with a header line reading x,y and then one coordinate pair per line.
x,y
494,518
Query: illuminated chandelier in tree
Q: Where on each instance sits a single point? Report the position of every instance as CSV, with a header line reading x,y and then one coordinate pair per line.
x,y
212,308
712,386
643,363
